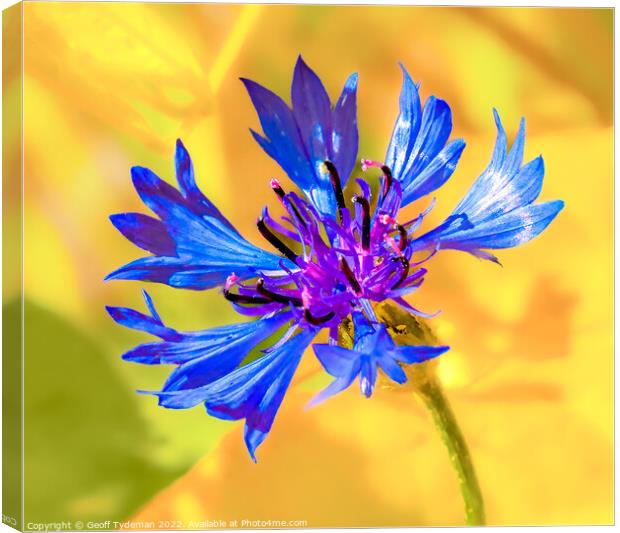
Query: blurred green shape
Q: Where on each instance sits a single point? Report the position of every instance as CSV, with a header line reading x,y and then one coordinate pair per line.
x,y
86,444
11,415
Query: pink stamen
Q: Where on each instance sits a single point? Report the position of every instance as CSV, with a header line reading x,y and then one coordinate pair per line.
x,y
366,163
393,245
388,220
231,280
305,297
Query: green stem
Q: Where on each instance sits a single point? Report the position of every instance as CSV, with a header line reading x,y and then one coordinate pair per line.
x,y
443,416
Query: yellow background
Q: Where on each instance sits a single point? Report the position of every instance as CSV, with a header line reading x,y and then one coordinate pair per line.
x,y
108,86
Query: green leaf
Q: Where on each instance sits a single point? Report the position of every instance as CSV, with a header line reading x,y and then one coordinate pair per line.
x,y
85,441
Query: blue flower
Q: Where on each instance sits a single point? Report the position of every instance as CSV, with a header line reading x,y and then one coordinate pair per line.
x,y
332,259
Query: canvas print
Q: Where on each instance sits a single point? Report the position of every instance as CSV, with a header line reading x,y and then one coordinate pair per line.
x,y
298,266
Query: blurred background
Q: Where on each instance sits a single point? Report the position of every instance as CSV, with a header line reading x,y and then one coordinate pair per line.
x,y
108,86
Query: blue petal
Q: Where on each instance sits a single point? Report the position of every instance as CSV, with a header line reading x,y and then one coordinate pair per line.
x,y
418,354
253,439
432,136
148,233
417,153
368,375
364,331
150,305
504,185
187,184
335,387
211,347
515,228
218,352
373,347
182,272
301,139
284,142
135,320
195,246
254,391
336,361
312,112
436,173
498,211
345,138
392,369
406,127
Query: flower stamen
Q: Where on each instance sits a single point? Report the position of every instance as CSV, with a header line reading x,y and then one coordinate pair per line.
x,y
346,269
274,296
403,275
365,220
277,188
402,243
387,182
317,321
336,185
243,299
274,241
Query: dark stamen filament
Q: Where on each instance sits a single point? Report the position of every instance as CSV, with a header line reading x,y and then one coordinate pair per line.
x,y
336,184
275,242
317,321
242,299
277,188
274,296
403,275
344,266
388,179
402,244
301,219
365,221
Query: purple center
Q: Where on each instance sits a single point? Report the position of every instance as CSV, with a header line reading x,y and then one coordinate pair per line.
x,y
339,264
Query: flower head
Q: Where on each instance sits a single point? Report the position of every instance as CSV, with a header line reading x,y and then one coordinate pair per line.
x,y
332,257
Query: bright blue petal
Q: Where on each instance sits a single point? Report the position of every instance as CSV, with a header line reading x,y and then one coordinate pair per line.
x,y
195,247
335,387
136,320
436,173
418,354
217,352
406,127
301,139
372,347
504,185
283,141
368,375
498,211
434,131
201,354
515,228
148,233
182,272
253,439
189,189
345,137
253,391
336,361
151,306
313,112
392,369
417,154
192,349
